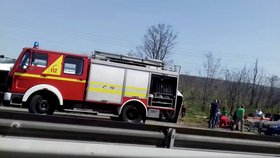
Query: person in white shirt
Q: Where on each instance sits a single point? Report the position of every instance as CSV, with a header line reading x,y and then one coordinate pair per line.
x,y
259,113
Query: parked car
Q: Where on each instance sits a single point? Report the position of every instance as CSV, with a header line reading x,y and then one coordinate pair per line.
x,y
271,128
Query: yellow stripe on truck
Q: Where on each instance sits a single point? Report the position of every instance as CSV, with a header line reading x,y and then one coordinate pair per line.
x,y
102,90
134,94
105,84
130,91
49,77
117,85
136,88
116,92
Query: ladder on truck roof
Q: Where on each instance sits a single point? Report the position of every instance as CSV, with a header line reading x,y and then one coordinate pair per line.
x,y
127,59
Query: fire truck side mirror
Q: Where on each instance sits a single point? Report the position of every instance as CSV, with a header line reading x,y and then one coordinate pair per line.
x,y
25,67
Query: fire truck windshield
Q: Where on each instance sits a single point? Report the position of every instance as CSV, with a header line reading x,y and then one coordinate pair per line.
x,y
25,60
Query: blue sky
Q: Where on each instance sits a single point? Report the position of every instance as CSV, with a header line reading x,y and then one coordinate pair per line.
x,y
237,31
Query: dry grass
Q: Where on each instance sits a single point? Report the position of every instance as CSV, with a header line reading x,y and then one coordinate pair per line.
x,y
195,122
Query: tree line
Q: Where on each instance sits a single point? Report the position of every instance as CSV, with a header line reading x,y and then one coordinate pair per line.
x,y
248,86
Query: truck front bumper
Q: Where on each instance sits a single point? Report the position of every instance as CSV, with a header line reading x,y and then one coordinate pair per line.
x,y
7,96
12,99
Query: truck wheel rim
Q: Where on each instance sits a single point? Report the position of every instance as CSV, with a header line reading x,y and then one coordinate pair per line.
x,y
133,113
43,106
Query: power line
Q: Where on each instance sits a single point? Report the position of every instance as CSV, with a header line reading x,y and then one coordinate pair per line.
x,y
129,44
49,27
75,35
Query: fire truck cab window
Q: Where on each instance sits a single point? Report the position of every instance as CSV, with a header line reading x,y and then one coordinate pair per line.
x,y
25,60
39,60
73,66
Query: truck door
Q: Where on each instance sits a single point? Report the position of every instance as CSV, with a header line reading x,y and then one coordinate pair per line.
x,y
73,77
105,83
136,85
29,70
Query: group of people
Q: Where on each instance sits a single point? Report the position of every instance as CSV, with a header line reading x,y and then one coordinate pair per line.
x,y
219,116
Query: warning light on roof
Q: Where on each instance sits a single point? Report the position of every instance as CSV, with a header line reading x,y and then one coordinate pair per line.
x,y
36,45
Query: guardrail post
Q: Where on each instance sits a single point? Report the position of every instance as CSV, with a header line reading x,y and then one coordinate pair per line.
x,y
169,137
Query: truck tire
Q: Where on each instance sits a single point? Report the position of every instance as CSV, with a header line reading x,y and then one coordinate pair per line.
x,y
51,110
132,114
40,105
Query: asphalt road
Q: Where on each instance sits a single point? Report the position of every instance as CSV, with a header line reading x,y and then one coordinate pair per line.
x,y
110,116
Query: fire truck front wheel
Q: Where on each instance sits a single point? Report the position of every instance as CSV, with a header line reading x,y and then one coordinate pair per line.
x,y
40,105
132,114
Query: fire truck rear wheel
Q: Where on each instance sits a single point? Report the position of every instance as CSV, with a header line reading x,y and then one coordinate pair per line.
x,y
132,114
40,105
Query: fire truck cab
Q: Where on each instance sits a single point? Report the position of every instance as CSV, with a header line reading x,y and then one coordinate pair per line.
x,y
134,89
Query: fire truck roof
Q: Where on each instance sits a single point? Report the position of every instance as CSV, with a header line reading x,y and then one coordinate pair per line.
x,y
58,52
119,58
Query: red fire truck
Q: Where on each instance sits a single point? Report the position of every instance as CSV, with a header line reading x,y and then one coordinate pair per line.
x,y
132,88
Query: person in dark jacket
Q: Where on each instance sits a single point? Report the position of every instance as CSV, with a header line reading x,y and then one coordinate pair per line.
x,y
234,120
213,114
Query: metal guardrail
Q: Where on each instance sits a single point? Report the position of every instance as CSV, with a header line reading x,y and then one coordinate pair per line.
x,y
168,136
65,127
45,148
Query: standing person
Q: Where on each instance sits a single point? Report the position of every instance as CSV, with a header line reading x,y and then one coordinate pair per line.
x,y
213,114
219,112
240,112
218,115
234,120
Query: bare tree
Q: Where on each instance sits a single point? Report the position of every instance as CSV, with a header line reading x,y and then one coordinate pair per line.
x,y
272,96
183,83
211,68
236,82
189,87
131,53
158,42
256,80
